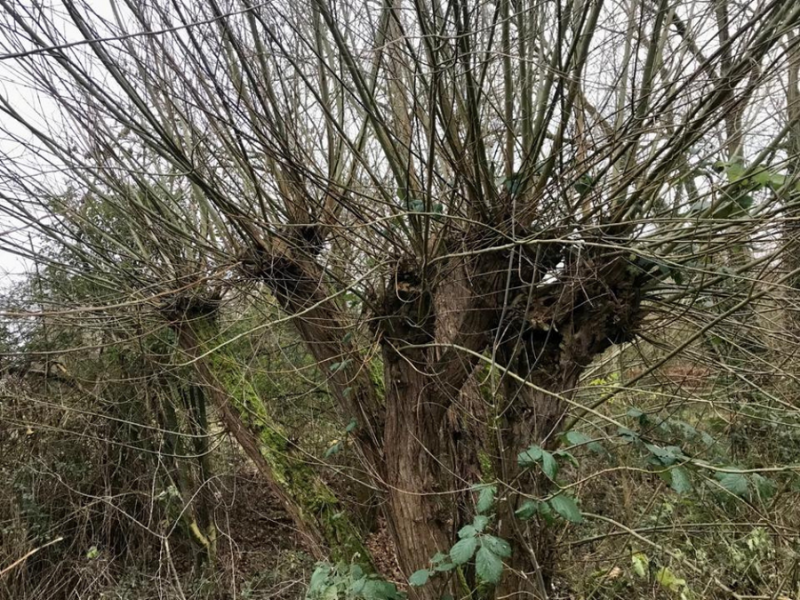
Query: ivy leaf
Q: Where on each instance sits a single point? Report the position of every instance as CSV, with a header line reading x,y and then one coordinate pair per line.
x,y
549,465
528,458
566,507
485,499
463,550
488,565
419,578
735,483
496,545
680,483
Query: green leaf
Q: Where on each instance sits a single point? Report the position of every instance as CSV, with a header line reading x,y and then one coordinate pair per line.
x,y
467,531
485,499
334,449
745,201
488,565
545,511
584,184
528,458
761,178
576,438
526,510
635,413
566,507
765,488
666,456
627,435
513,184
734,171
351,426
680,483
564,454
480,522
357,587
549,465
318,578
347,337
419,578
445,567
640,563
331,593
339,366
498,546
777,180
417,205
376,589
667,579
463,550
735,483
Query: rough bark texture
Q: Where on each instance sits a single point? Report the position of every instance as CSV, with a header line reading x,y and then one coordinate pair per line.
x,y
433,326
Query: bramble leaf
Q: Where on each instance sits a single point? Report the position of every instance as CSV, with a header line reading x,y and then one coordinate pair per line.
x,y
566,507
488,565
463,550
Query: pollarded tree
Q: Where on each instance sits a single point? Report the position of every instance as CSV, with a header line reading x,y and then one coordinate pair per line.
x,y
514,183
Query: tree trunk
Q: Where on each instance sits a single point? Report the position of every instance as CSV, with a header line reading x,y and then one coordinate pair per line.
x,y
417,514
311,504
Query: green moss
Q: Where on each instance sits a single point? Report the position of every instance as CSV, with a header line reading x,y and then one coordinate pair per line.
x,y
376,376
314,500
